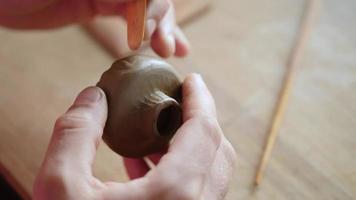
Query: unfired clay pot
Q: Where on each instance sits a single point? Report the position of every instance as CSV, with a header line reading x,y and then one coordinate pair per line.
x,y
144,95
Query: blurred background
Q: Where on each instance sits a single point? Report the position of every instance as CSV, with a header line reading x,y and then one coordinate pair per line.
x,y
241,48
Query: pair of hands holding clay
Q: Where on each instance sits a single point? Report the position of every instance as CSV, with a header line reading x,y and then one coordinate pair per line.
x,y
199,161
197,165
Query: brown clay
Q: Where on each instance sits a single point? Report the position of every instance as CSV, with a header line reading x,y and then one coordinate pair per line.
x,y
144,95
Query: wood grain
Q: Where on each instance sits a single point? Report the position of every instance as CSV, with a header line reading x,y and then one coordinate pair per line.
x,y
242,60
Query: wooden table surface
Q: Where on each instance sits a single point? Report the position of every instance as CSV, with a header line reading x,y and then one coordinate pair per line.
x,y
240,47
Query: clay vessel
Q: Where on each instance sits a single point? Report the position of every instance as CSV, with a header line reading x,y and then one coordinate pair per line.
x,y
144,95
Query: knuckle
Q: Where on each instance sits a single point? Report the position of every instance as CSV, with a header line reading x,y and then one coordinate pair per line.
x,y
71,121
229,153
211,127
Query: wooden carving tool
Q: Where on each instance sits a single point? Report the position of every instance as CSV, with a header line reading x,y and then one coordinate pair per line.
x,y
292,65
136,19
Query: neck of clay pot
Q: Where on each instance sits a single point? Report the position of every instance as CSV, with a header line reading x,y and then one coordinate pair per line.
x,y
165,113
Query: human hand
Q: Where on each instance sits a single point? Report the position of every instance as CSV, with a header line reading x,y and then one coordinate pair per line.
x,y
198,164
166,37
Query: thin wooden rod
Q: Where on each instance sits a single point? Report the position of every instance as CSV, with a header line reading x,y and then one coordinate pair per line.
x,y
292,65
136,20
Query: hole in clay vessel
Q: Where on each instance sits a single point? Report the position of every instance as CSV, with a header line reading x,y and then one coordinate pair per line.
x,y
169,120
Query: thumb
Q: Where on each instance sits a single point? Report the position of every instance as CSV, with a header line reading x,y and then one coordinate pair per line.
x,y
77,133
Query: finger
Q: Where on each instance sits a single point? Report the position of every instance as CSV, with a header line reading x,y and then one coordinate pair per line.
x,y
155,13
197,100
181,173
109,8
162,39
156,157
77,133
135,168
157,9
221,172
163,45
151,26
200,129
181,42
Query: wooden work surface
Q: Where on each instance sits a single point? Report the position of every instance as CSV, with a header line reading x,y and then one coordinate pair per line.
x,y
241,48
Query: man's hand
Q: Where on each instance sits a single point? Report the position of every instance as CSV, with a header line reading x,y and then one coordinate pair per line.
x,y
198,164
166,37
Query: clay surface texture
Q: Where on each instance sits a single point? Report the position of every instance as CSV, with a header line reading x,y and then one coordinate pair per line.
x,y
144,112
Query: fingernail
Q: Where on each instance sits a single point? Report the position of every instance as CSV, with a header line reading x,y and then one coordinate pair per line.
x,y
89,95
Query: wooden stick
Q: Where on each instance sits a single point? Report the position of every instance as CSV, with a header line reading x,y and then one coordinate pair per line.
x,y
136,19
294,58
